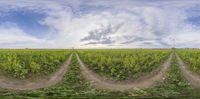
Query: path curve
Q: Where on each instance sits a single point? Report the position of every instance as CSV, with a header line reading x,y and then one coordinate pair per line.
x,y
53,79
192,77
142,82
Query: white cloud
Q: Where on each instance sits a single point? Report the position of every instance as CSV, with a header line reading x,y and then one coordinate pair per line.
x,y
143,24
12,36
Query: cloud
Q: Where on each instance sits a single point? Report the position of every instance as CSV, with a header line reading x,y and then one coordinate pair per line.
x,y
11,34
148,25
101,35
106,23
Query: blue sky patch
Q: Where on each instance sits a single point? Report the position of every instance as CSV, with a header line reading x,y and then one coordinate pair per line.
x,y
194,20
157,23
27,20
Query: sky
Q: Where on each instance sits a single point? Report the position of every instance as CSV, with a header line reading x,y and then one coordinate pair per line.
x,y
99,23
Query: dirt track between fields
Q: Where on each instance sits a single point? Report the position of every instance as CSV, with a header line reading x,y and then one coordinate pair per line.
x,y
145,81
193,78
53,79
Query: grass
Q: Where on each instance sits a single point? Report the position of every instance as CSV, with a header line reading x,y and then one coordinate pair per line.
x,y
75,86
174,86
72,85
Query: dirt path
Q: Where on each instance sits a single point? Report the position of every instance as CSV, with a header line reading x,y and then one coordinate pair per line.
x,y
40,83
193,78
142,82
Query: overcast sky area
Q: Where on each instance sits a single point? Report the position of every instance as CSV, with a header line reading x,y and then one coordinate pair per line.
x,y
99,23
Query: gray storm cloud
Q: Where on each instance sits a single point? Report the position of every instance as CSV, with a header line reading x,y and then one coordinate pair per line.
x,y
101,35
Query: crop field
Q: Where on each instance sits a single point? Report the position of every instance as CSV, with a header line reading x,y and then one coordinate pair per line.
x,y
24,63
123,64
99,49
106,73
192,58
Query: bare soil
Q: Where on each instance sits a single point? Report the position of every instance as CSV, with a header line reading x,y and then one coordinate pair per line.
x,y
145,81
192,77
29,84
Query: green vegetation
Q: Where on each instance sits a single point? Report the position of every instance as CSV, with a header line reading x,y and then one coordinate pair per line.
x,y
124,63
191,57
174,84
24,63
74,85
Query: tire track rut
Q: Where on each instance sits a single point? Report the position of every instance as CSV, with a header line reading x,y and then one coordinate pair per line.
x,y
145,81
193,78
53,79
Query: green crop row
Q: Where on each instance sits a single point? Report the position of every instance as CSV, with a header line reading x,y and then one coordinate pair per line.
x,y
122,64
24,63
74,85
173,86
191,57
